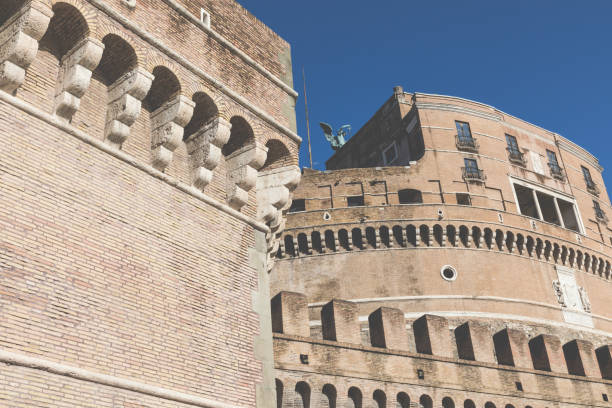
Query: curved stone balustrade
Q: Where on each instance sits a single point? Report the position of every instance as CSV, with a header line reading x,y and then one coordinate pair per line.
x,y
379,236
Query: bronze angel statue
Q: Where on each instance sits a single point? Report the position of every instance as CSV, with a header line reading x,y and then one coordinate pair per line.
x,y
338,140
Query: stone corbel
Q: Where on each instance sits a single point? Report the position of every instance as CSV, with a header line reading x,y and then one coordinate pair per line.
x,y
204,149
242,166
274,189
124,103
75,76
19,37
168,123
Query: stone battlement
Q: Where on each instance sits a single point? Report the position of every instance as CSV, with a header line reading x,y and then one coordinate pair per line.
x,y
502,358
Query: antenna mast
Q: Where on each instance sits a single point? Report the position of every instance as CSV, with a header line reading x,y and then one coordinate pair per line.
x,y
307,121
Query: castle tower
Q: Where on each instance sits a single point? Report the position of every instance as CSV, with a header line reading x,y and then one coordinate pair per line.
x,y
452,255
148,152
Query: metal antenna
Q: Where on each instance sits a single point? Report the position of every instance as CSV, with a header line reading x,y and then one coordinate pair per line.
x,y
307,121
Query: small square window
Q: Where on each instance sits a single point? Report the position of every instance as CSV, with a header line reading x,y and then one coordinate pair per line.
x,y
297,205
464,199
604,397
519,386
355,201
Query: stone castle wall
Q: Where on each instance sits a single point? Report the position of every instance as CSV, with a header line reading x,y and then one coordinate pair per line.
x,y
145,162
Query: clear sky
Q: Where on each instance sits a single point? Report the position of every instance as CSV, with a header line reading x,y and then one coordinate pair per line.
x,y
547,62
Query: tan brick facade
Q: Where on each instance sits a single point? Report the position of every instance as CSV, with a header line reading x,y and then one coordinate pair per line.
x,y
474,287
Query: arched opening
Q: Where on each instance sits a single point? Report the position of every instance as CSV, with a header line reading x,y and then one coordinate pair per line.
x,y
117,60
66,29
424,235
539,248
411,233
464,236
385,239
241,136
289,246
410,196
499,240
280,389
489,405
317,244
278,155
426,401
451,235
509,406
520,243
357,237
468,403
403,400
530,245
164,88
303,244
343,239
355,396
448,402
302,397
477,236
371,237
330,242
438,233
329,396
510,241
398,236
204,111
488,237
380,398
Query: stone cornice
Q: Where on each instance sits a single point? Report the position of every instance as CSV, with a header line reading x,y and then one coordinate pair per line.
x,y
579,152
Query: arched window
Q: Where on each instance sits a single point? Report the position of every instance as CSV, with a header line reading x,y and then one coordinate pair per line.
x,y
356,397
403,400
410,196
381,399
448,402
302,395
329,396
279,393
426,401
489,405
468,403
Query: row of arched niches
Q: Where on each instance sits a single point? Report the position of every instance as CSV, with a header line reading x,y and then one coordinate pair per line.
x,y
303,395
308,242
72,61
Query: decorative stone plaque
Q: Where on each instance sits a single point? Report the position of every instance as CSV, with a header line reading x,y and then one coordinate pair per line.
x,y
573,298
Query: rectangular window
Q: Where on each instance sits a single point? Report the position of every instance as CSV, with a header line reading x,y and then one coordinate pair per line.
x,y
355,201
471,165
297,205
205,17
598,211
390,154
512,144
540,205
587,175
464,199
463,130
552,157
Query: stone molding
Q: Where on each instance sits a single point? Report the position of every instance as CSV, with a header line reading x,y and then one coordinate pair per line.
x,y
17,359
126,158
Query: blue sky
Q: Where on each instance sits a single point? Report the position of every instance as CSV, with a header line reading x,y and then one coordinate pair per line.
x,y
547,62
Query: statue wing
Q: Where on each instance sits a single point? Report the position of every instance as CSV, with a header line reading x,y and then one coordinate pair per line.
x,y
327,129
